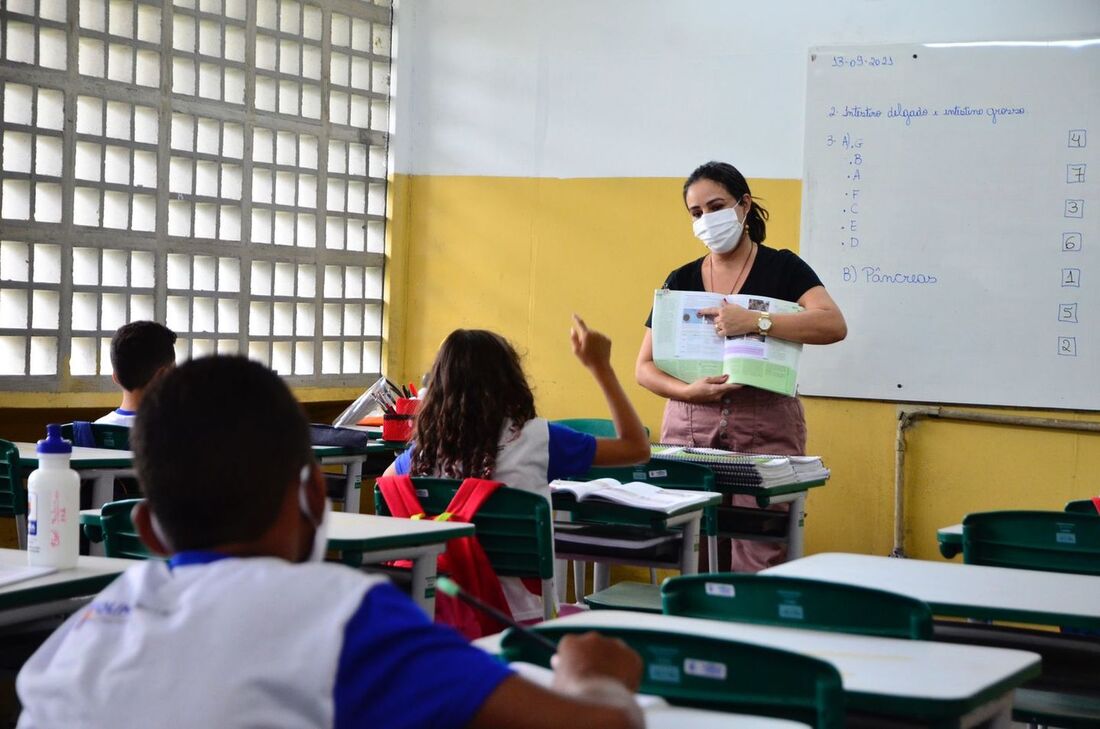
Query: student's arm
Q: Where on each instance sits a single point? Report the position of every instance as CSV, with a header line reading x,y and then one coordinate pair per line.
x,y
594,683
631,446
705,389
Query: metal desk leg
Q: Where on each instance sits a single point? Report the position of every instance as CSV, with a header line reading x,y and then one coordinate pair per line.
x,y
578,580
353,487
103,492
423,580
689,550
601,577
712,553
794,527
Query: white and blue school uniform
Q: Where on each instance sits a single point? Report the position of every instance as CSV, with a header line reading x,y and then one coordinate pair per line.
x,y
530,459
211,640
118,416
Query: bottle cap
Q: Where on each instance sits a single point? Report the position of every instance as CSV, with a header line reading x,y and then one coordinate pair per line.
x,y
54,444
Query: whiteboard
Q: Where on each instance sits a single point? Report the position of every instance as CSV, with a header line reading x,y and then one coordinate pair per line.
x,y
951,208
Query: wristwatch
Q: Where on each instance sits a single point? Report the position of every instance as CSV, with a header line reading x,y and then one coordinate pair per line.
x,y
764,323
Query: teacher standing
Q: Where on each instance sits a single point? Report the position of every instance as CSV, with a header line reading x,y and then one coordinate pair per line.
x,y
712,412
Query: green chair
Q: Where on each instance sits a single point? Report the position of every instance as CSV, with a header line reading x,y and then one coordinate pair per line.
x,y
112,437
514,527
1051,541
598,427
795,602
120,538
13,496
669,475
1081,506
711,673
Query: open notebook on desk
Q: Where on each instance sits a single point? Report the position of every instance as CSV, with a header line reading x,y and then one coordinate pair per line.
x,y
638,495
748,469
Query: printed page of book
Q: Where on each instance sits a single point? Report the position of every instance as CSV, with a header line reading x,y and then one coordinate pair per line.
x,y
686,346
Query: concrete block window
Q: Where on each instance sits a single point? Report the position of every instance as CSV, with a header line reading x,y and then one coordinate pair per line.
x,y
218,165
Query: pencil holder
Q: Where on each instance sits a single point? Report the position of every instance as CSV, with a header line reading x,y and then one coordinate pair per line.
x,y
397,425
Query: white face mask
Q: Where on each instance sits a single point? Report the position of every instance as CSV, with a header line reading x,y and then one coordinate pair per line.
x,y
720,231
320,527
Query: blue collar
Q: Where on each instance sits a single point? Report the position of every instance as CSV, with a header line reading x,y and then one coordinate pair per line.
x,y
195,556
120,411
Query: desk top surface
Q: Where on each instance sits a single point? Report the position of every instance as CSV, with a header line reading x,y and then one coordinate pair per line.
x,y
964,590
82,458
369,532
873,669
90,575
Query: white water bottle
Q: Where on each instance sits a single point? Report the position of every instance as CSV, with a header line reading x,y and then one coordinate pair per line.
x,y
53,505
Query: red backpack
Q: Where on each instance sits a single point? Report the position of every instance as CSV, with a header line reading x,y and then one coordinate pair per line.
x,y
464,560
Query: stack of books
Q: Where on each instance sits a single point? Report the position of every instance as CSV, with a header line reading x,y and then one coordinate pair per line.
x,y
753,470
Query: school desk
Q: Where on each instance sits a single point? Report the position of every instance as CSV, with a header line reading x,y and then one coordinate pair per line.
x,y
951,685
58,593
592,511
368,539
371,459
964,590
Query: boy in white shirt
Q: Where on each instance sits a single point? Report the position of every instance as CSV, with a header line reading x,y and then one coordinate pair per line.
x,y
140,352
243,628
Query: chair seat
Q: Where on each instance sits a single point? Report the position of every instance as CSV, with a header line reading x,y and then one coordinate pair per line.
x,y
637,596
1056,709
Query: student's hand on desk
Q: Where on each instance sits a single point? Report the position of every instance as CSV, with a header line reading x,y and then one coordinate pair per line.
x,y
592,348
731,319
709,389
586,659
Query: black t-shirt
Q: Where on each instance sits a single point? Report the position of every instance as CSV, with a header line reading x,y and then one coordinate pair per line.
x,y
776,273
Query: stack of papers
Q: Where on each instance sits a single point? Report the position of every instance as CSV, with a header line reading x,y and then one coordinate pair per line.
x,y
749,469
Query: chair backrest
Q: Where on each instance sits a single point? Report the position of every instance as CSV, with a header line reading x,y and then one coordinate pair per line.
x,y
794,602
598,427
112,437
13,497
1052,541
120,539
514,527
1081,506
707,672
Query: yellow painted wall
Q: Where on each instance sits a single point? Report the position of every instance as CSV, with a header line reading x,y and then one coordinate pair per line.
x,y
518,255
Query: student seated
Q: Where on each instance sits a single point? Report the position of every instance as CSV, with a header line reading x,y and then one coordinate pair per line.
x,y
478,420
140,352
244,627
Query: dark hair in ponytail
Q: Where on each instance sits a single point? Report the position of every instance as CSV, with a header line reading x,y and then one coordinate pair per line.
x,y
730,178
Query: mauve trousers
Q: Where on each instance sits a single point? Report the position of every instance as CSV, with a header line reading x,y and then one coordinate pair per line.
x,y
749,420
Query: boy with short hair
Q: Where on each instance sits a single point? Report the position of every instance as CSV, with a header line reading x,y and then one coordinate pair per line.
x,y
140,352
241,629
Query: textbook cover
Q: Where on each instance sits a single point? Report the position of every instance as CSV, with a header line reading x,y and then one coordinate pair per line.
x,y
686,346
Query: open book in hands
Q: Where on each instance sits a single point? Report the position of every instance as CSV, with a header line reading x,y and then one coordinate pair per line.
x,y
636,494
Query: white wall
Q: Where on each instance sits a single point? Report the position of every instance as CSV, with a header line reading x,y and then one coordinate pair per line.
x,y
641,88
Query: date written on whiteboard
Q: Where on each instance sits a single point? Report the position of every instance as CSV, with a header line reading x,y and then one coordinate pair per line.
x,y
861,61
